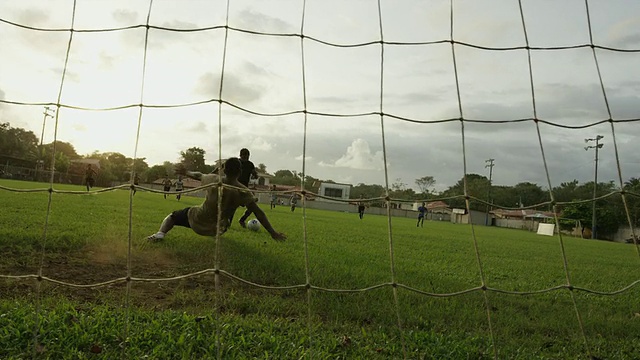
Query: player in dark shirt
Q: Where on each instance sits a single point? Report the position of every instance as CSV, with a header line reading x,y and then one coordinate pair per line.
x,y
248,172
422,212
88,177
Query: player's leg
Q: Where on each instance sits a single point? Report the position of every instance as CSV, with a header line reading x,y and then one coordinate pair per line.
x,y
178,217
244,217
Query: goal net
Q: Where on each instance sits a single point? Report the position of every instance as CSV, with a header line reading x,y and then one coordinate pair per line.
x,y
368,92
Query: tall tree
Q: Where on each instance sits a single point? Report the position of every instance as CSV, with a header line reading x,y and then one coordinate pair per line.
x,y
262,168
633,202
193,159
477,185
425,183
18,142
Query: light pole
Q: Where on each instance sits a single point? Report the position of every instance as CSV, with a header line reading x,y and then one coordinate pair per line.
x,y
46,113
595,181
490,166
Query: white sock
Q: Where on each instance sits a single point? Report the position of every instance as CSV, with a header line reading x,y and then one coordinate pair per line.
x,y
159,235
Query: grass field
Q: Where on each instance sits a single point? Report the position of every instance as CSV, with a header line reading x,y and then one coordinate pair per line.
x,y
87,243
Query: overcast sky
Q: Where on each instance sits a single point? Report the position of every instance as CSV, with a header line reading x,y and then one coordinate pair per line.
x,y
264,74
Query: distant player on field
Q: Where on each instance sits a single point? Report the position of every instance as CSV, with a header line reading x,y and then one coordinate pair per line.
x,y
422,211
202,219
361,208
274,196
88,177
166,183
136,181
293,201
179,186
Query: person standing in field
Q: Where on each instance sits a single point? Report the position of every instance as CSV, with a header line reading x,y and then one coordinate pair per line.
x,y
89,173
248,172
203,219
293,201
179,186
422,211
136,181
361,208
274,197
166,184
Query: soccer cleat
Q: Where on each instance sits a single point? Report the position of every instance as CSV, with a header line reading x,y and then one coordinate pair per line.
x,y
156,237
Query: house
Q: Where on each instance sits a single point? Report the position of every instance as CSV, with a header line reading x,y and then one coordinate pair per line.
x,y
527,219
263,179
334,190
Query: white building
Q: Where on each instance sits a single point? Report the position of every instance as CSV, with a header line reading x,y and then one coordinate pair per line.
x,y
334,190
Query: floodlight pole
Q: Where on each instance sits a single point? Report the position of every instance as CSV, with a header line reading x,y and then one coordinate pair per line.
x,y
595,182
490,166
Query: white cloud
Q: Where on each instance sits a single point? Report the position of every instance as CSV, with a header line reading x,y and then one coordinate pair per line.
x,y
358,157
307,158
260,144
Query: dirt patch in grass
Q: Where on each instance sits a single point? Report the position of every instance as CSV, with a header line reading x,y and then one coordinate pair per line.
x,y
101,264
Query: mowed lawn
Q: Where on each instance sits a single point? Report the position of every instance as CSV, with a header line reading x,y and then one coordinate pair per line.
x,y
353,314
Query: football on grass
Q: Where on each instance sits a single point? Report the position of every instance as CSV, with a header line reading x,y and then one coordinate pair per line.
x,y
253,225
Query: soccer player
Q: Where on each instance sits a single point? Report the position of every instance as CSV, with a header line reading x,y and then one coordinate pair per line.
x,y
136,181
422,210
202,219
179,186
274,196
166,183
293,201
88,177
361,208
248,172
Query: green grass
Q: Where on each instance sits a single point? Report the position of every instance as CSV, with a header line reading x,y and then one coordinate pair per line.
x,y
87,242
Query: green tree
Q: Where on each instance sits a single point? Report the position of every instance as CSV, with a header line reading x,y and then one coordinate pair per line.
x,y
425,184
262,168
193,159
155,172
477,185
18,142
633,202
368,192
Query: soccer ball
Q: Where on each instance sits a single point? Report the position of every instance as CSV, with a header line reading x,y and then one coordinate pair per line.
x,y
253,225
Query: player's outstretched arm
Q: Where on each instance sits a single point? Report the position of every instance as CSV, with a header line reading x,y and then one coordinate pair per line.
x,y
262,217
181,170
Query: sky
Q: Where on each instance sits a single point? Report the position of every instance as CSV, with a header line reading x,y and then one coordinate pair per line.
x,y
281,74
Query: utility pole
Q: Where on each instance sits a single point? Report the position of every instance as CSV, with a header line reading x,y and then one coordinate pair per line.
x,y
595,181
40,164
490,166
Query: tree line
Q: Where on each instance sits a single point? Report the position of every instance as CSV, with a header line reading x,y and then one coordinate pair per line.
x,y
21,147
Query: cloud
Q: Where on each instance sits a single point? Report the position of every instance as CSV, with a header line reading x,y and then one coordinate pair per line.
x,y
250,19
125,17
260,144
307,158
625,34
358,157
235,89
199,127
